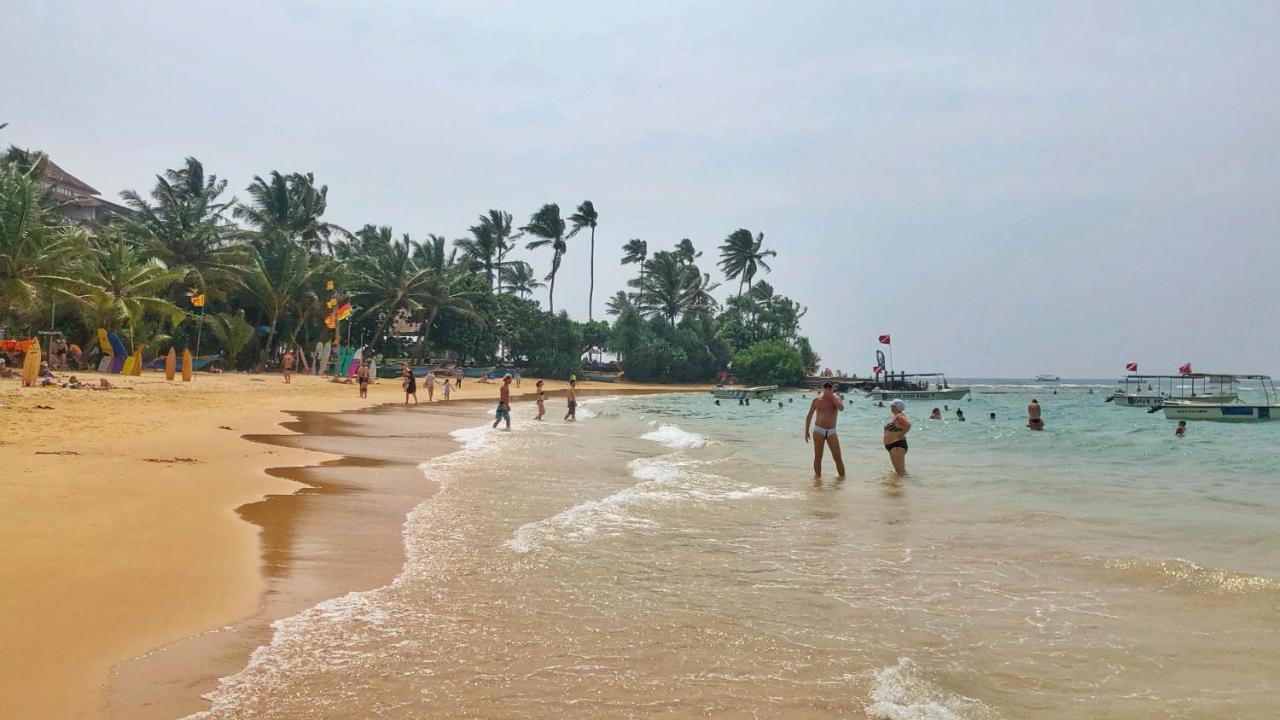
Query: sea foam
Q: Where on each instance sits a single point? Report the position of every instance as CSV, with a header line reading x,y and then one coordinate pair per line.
x,y
898,692
673,436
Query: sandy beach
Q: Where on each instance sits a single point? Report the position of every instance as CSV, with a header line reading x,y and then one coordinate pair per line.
x,y
147,514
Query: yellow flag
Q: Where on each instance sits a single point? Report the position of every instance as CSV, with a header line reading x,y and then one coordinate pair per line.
x,y
328,285
197,300
331,302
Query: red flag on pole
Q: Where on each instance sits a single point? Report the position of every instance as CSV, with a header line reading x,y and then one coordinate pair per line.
x,y
1185,369
884,340
1131,367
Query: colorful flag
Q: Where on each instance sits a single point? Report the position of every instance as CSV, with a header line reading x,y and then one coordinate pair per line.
x,y
1185,369
1131,367
877,370
884,340
197,300
344,312
331,303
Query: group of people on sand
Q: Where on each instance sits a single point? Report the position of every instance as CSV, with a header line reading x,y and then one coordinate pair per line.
x,y
450,383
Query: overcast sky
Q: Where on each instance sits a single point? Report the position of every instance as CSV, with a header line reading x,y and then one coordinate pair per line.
x,y
1008,189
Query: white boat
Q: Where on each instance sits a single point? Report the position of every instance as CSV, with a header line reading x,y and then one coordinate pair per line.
x,y
1153,391
760,392
1048,378
918,386
1236,410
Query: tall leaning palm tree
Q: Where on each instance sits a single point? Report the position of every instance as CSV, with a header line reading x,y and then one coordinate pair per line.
x,y
499,226
742,256
636,251
586,217
481,251
548,227
289,208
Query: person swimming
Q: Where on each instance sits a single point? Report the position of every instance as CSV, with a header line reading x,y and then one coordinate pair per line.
x,y
826,407
895,436
936,414
1181,430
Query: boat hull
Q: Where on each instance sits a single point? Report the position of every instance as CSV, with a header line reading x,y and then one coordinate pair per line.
x,y
764,392
596,376
1220,412
1120,399
958,393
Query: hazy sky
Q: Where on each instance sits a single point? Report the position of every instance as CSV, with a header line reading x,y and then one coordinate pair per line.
x,y
1008,188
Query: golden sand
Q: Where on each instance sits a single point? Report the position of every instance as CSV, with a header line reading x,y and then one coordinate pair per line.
x,y
121,530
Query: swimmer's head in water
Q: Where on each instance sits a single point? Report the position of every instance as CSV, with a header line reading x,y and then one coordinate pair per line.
x,y
899,405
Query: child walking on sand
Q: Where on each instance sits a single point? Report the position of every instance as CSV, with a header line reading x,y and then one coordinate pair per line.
x,y
446,388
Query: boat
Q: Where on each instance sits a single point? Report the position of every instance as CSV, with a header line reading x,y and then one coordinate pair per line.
x,y
1153,391
1048,378
608,376
1235,410
918,386
760,392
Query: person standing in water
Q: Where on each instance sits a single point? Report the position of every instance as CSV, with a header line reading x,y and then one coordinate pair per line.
x,y
504,402
1181,430
1034,420
288,366
362,378
572,397
895,436
410,384
826,407
542,407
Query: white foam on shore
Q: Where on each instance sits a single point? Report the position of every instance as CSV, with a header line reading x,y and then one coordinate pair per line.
x,y
673,436
898,692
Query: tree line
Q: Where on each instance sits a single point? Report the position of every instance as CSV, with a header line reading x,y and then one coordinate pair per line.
x,y
269,269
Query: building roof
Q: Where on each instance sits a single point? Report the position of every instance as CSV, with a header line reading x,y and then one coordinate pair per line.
x,y
56,175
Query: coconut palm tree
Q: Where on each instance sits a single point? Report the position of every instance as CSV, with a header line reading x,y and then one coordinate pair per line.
x,y
742,256
120,285
442,290
548,227
619,304
517,276
431,253
673,288
289,207
687,252
386,283
279,277
636,251
186,226
481,251
586,217
498,225
35,243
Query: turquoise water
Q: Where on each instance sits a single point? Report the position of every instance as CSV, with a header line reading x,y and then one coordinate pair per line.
x,y
668,557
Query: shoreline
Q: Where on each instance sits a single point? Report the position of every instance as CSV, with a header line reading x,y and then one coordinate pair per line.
x,y
143,526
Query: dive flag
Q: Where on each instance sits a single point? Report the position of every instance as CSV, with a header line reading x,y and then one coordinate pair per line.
x,y
1131,367
884,340
1185,369
197,300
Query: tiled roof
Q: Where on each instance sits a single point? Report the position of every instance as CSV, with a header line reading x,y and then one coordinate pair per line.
x,y
57,175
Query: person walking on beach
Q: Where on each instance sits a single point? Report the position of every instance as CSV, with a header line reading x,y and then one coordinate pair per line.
x,y
826,407
410,384
895,436
504,402
572,398
288,366
457,377
362,378
1034,420
431,385
446,389
519,376
542,408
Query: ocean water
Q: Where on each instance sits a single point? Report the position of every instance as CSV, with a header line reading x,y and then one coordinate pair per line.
x,y
668,557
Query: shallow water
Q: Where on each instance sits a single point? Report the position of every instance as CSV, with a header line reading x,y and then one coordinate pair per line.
x,y
666,556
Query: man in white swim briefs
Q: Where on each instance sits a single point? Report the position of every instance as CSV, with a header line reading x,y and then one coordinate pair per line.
x,y
826,406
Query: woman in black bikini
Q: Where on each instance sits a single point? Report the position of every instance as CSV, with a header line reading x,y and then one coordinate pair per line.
x,y
895,436
410,384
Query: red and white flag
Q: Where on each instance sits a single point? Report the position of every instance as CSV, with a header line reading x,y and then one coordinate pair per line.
x,y
877,370
884,340
1185,368
1131,367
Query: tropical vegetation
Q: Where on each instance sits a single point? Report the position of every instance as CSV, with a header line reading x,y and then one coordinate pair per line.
x,y
251,277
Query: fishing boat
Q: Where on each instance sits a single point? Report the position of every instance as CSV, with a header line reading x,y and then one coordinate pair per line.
x,y
1235,410
760,392
1153,391
608,376
918,386
1048,378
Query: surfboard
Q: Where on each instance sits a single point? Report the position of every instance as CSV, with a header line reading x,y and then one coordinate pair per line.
x,y
117,353
31,365
324,358
127,368
355,363
170,364
186,366
137,360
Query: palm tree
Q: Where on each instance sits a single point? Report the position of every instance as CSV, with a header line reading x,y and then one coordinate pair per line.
x,y
481,251
35,242
548,227
636,251
431,253
444,290
187,227
686,251
387,283
289,207
741,256
121,286
619,304
673,288
278,278
517,276
586,217
498,224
